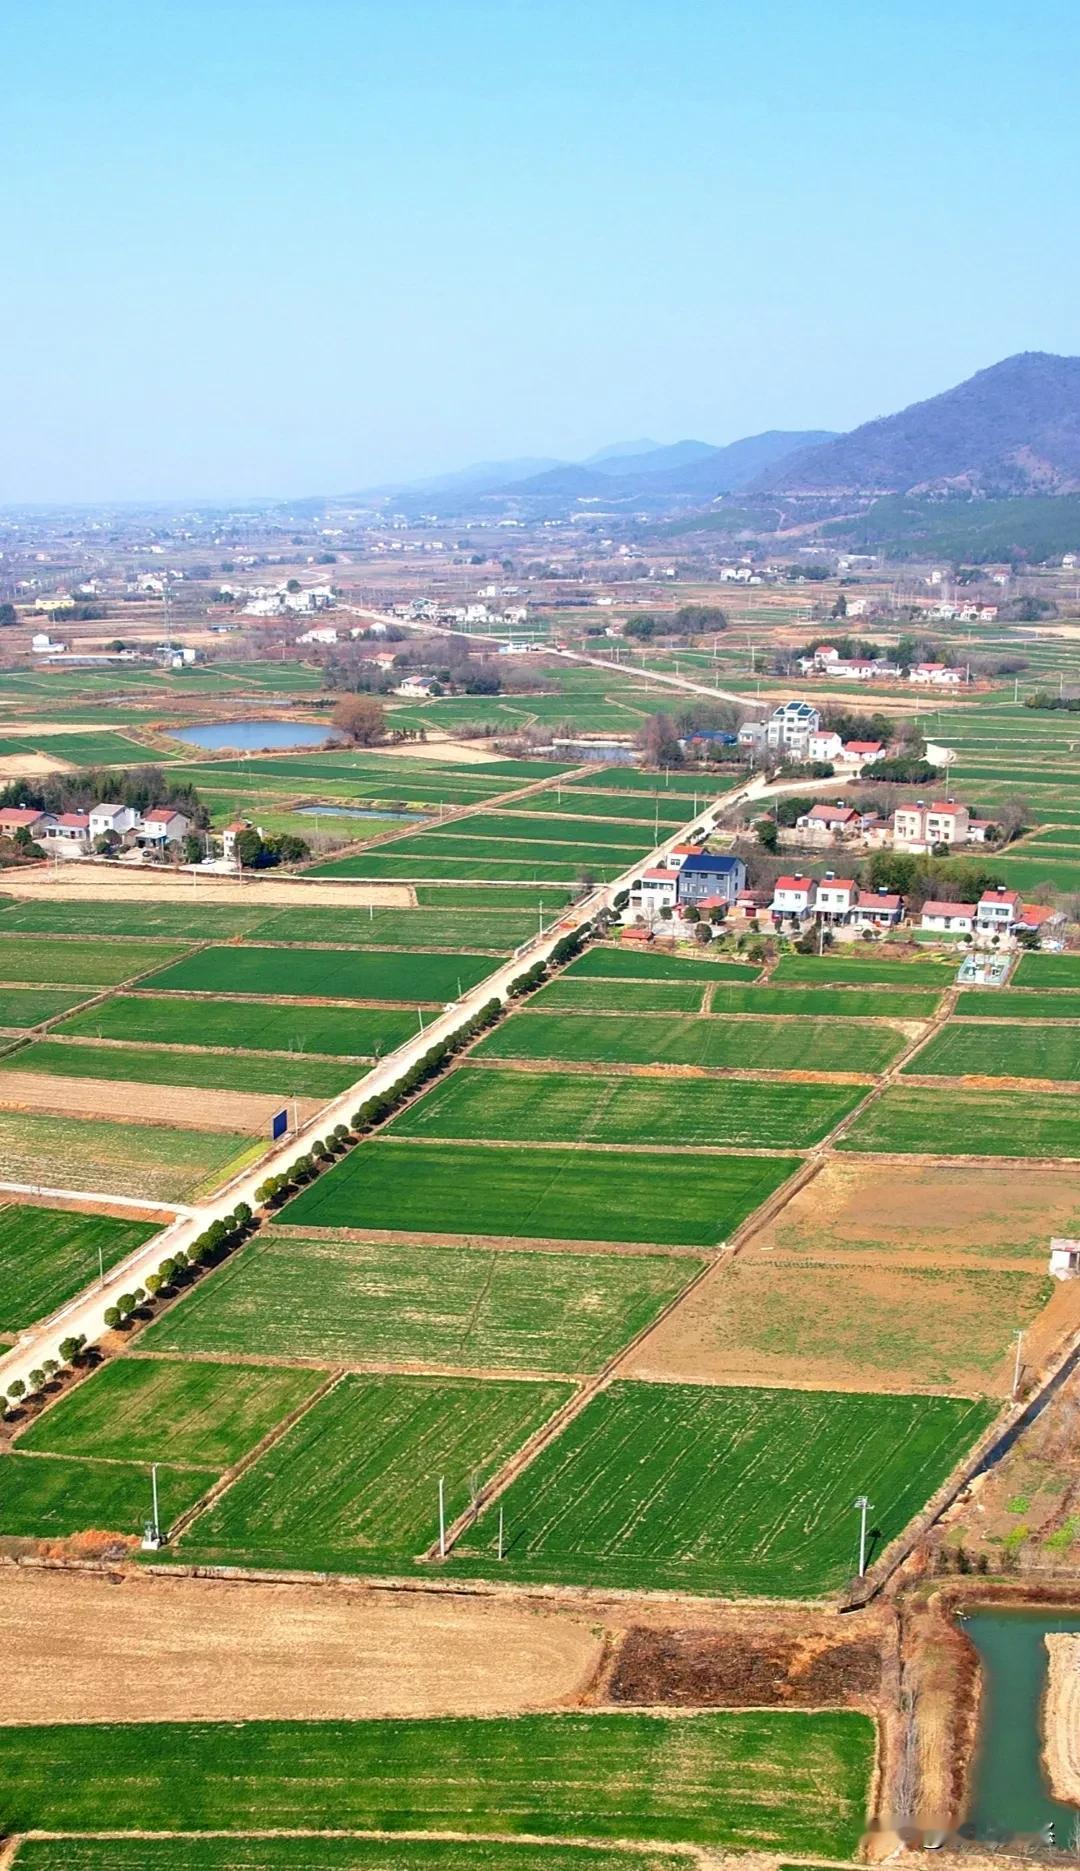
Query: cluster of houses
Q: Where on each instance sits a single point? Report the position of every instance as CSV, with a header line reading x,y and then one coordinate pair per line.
x,y
714,884
75,834
826,660
916,828
794,732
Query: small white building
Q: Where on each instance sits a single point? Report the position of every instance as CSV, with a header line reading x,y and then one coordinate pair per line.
x,y
998,911
790,726
793,896
948,918
835,898
653,891
162,826
937,676
109,818
1064,1258
824,745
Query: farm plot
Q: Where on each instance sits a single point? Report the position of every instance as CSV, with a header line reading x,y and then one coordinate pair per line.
x,y
330,974
711,1044
346,1032
492,897
146,1065
979,1123
552,1107
45,1497
353,1485
667,785
721,1490
390,865
762,1320
489,926
649,964
842,970
331,1852
849,1003
161,1410
535,828
341,1303
151,1161
540,1194
92,964
142,916
770,1780
983,1051
49,1254
985,1214
1053,971
25,1007
647,810
1017,1004
104,749
598,995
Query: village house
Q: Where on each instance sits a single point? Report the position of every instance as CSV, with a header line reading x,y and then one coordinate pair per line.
x,y
825,821
998,911
162,826
824,745
920,827
877,910
793,896
709,874
937,676
834,898
23,819
68,834
653,891
948,918
118,820
1038,919
864,753
790,726
419,687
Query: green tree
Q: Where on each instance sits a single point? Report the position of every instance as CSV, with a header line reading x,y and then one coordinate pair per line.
x,y
768,834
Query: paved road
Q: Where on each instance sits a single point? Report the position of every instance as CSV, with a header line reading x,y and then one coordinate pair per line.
x,y
84,1314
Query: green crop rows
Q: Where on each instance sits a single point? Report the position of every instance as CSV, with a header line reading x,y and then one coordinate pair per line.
x,y
729,1490
556,1194
980,1050
768,1781
750,1045
330,974
975,1123
49,1254
341,1302
260,1026
552,1107
353,1485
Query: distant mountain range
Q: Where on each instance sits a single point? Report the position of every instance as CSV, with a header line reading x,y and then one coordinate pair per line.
x,y
655,477
1012,429
1009,432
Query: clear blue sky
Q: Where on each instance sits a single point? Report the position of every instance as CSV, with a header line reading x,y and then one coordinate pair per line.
x,y
265,246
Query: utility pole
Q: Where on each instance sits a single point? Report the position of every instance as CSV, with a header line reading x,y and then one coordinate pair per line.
x,y
1017,1367
863,1506
502,1545
101,1264
442,1518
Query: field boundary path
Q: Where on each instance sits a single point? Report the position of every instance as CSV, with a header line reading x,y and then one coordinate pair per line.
x,y
84,1313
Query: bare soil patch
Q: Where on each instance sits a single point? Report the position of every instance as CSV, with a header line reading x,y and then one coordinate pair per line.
x,y
130,1100
993,1214
125,1646
29,766
83,883
1061,1716
745,1669
761,1319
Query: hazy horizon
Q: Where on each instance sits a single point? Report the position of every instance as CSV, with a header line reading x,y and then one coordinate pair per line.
x,y
268,251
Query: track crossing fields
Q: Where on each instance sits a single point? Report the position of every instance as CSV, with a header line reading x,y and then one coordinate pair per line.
x,y
711,1043
771,1780
555,1107
736,1491
340,1303
353,1485
49,1254
976,1123
544,1194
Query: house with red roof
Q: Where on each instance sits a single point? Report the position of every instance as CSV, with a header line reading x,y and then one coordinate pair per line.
x,y
947,917
23,819
877,910
793,896
998,911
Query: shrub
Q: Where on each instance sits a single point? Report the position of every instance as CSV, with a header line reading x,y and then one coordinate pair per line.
x,y
37,1379
242,1214
126,1303
70,1348
16,1390
50,1367
112,1317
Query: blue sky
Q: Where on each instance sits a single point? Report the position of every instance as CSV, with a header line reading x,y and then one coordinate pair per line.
x,y
259,247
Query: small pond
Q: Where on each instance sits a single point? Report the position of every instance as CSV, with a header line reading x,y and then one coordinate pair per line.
x,y
1009,1790
358,812
255,734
